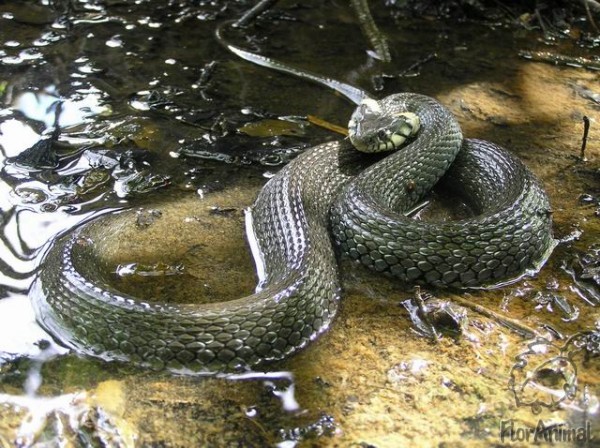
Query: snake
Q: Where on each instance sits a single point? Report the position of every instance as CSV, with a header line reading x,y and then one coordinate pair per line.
x,y
337,197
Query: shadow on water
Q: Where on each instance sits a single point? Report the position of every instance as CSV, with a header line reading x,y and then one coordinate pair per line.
x,y
113,105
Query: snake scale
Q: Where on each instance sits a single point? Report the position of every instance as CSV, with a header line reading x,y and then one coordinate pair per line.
x,y
323,193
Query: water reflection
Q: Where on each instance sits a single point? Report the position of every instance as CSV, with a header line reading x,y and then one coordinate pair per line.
x,y
42,106
12,145
21,335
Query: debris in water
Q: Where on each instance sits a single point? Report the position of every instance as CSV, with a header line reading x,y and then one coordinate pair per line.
x,y
586,130
543,376
147,217
159,269
412,70
253,12
432,316
561,59
327,125
371,31
272,127
584,269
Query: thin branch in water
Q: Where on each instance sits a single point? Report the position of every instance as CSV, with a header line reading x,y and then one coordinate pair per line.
x,y
561,59
413,67
412,70
253,13
541,21
592,4
506,9
370,30
511,324
586,5
586,130
327,125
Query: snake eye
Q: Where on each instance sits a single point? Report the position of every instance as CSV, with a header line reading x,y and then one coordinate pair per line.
x,y
382,135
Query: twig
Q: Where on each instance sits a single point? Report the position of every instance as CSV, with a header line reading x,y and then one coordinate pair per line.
x,y
253,12
593,4
370,30
561,59
412,70
507,322
425,315
417,64
541,21
586,5
506,9
586,130
327,125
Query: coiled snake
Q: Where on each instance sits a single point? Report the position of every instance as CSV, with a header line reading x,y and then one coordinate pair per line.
x,y
317,196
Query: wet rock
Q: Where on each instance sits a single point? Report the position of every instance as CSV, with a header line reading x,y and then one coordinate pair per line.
x,y
543,364
42,155
433,317
147,217
584,269
407,371
270,151
549,300
222,211
588,341
138,182
324,426
63,420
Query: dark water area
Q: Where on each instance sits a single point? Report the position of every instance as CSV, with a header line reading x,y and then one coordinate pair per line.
x,y
117,105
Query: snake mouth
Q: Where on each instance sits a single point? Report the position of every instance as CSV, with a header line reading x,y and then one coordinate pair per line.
x,y
372,130
402,127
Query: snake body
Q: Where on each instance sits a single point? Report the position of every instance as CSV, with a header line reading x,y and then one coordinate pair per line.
x,y
319,195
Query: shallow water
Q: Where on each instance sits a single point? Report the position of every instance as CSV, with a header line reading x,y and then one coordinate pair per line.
x,y
152,110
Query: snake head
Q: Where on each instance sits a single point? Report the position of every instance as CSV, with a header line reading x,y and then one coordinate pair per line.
x,y
374,129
